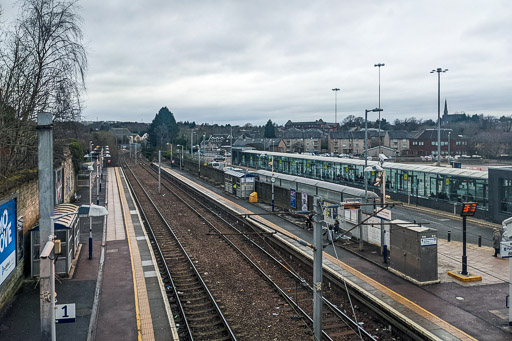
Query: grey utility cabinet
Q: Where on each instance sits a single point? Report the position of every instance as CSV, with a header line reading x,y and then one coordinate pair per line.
x,y
414,252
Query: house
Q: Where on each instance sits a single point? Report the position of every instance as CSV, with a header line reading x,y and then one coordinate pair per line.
x,y
340,142
276,145
399,140
309,141
318,124
425,143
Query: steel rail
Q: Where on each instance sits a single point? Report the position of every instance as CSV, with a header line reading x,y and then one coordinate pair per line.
x,y
210,295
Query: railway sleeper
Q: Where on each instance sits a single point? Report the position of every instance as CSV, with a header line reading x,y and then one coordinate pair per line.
x,y
193,308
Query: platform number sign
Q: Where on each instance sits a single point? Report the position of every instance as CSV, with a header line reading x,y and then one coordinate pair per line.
x,y
65,313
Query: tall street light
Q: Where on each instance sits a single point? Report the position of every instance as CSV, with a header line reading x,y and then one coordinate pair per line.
x,y
366,149
439,70
379,65
335,105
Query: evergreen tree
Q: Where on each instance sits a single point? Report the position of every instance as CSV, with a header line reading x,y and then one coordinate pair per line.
x,y
270,130
163,128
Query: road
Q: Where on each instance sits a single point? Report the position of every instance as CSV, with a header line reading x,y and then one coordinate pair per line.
x,y
443,224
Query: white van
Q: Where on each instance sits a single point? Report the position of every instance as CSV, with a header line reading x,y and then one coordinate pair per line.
x,y
217,165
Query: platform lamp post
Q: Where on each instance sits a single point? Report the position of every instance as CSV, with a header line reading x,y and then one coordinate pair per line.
x,y
449,153
336,106
272,180
159,167
231,144
181,155
366,149
90,169
439,70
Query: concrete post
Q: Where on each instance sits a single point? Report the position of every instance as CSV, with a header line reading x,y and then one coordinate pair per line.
x,y
273,180
159,161
135,145
317,269
46,232
359,220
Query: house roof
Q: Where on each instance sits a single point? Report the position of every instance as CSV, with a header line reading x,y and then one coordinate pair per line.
x,y
431,134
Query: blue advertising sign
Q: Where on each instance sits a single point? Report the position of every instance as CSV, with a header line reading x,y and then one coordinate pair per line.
x,y
7,239
293,198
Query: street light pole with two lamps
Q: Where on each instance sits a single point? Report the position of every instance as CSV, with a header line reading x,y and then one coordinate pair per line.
x,y
439,70
379,66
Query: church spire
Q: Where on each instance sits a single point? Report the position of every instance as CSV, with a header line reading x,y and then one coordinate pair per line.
x,y
445,107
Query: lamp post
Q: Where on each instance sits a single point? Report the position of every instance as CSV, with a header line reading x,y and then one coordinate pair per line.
x,y
91,168
379,65
366,149
449,153
181,155
335,105
231,144
439,70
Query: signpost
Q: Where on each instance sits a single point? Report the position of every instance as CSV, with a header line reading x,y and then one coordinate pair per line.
x,y
384,214
65,313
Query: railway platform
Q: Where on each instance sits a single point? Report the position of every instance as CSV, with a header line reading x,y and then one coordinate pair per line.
x,y
450,310
118,294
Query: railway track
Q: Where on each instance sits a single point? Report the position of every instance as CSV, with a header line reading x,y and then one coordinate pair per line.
x,y
200,316
295,293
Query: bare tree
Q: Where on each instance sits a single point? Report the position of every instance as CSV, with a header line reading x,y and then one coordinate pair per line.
x,y
42,68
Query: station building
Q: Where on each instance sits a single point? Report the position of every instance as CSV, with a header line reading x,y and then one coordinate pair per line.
x,y
429,186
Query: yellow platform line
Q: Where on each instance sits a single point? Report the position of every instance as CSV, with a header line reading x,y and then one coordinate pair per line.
x,y
142,310
380,287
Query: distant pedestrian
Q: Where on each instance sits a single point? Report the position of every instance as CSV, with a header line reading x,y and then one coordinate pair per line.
x,y
496,240
336,226
309,221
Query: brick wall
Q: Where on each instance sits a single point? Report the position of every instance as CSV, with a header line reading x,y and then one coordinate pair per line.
x,y
27,193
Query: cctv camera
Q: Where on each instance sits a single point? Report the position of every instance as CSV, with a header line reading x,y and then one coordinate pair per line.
x,y
47,250
383,157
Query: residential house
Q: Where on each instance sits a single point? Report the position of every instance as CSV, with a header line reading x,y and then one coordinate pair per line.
x,y
276,145
340,142
400,140
309,141
318,124
425,143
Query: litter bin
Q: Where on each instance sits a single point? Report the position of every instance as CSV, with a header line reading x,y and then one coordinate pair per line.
x,y
253,197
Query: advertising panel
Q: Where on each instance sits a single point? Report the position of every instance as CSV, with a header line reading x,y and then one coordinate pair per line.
x,y
8,226
304,201
293,198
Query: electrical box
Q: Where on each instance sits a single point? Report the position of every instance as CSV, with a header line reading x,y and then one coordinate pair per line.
x,y
413,252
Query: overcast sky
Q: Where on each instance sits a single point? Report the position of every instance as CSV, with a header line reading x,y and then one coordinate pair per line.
x,y
250,61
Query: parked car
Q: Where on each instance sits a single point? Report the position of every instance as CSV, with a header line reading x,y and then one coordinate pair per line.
x,y
219,158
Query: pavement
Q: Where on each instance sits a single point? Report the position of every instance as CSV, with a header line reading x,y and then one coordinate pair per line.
x,y
118,293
